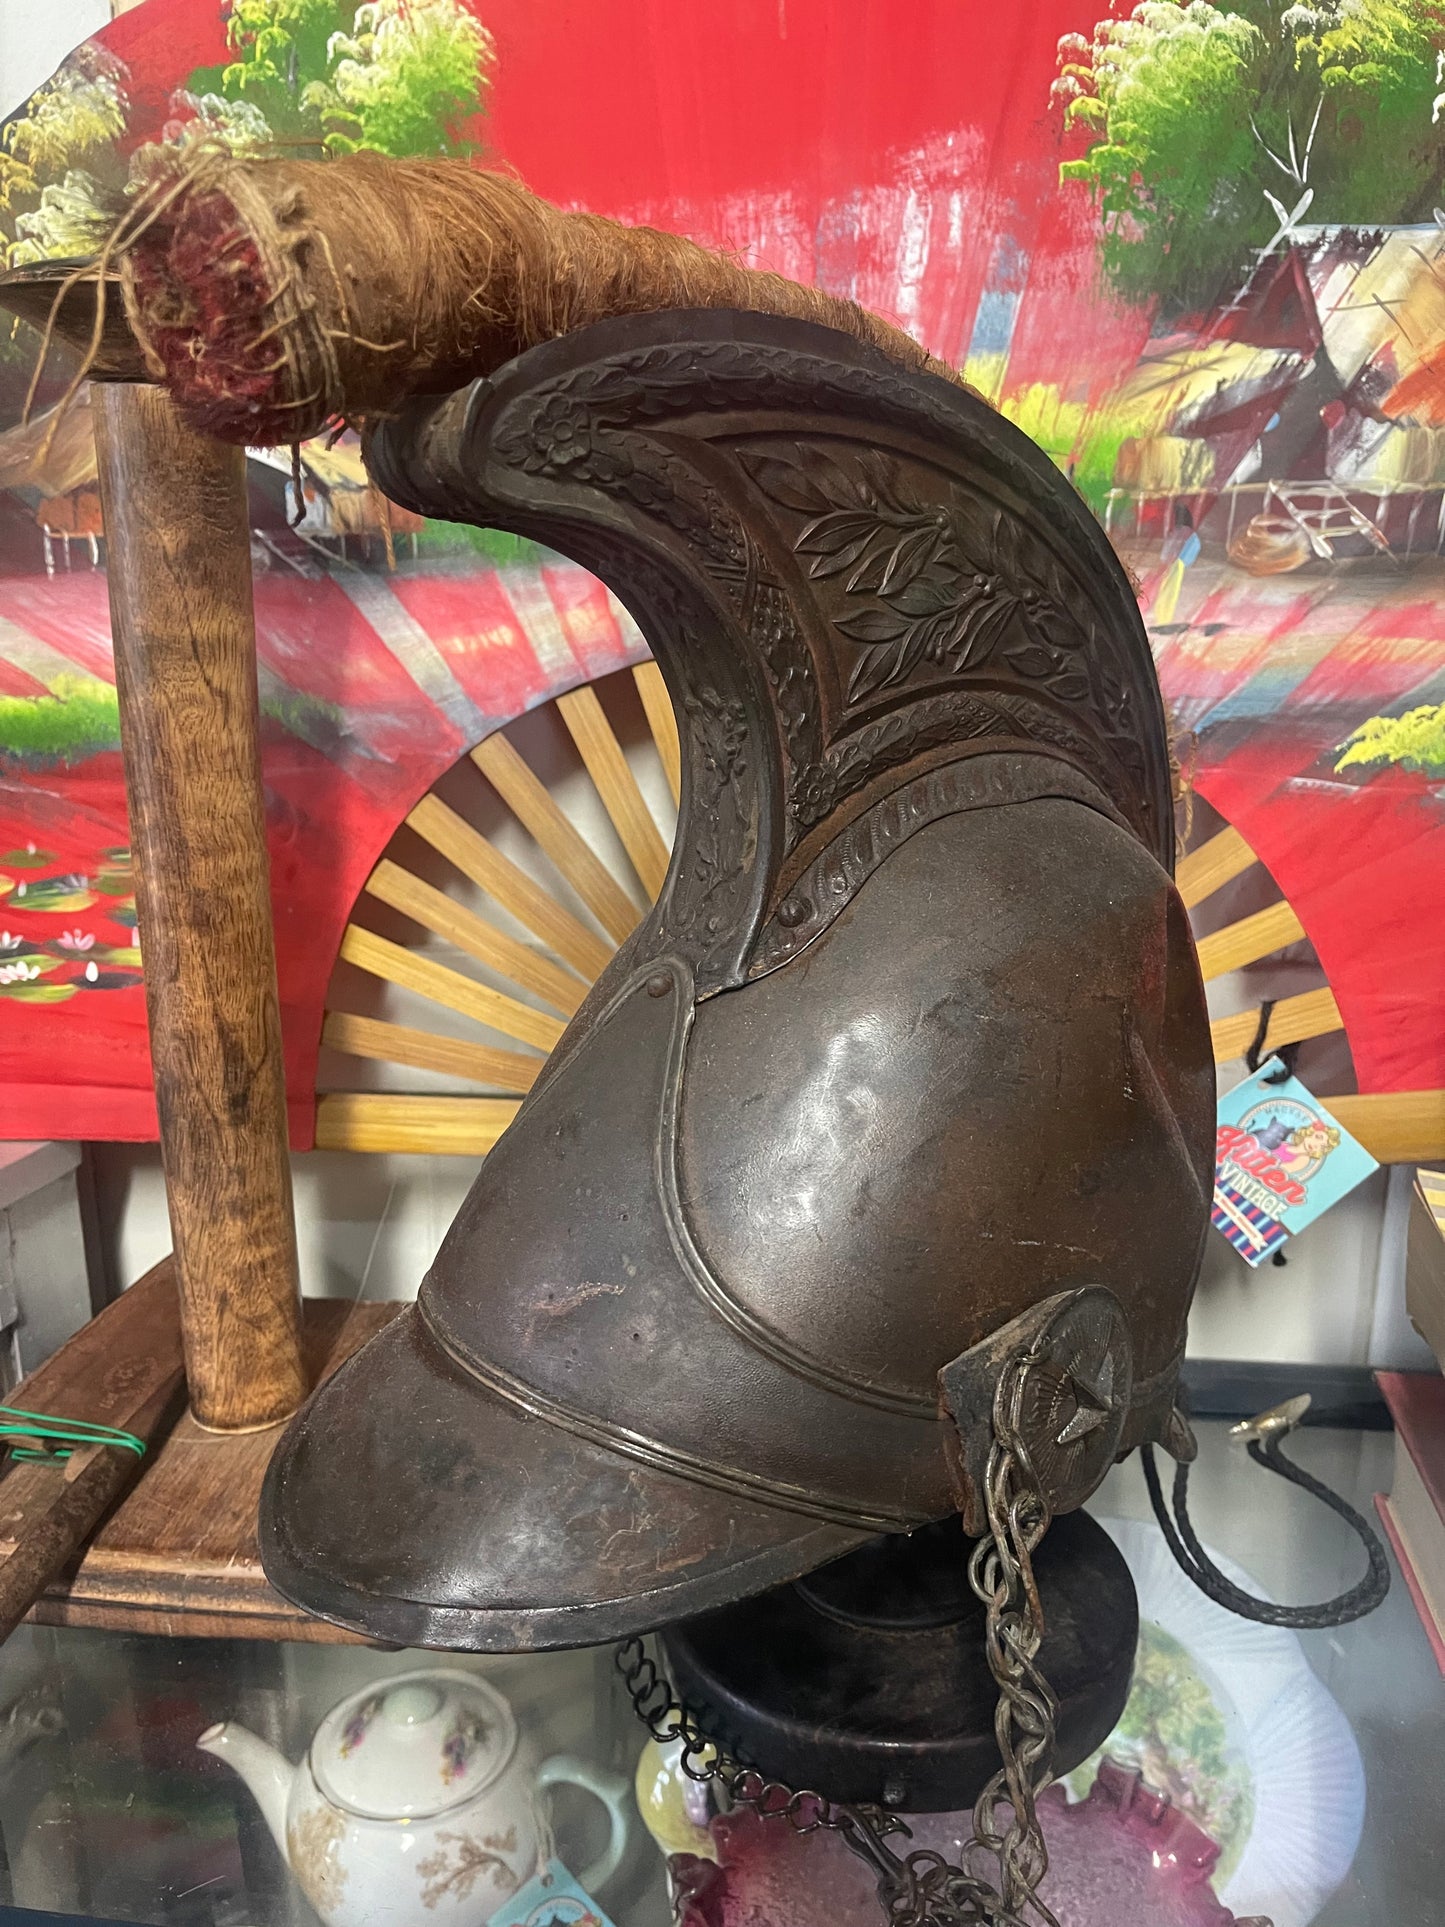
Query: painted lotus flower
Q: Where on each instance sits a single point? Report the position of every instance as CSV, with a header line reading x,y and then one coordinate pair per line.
x,y
76,940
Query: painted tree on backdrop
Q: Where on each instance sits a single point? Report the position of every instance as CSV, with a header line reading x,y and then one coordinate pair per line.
x,y
396,76
1414,741
1208,130
59,166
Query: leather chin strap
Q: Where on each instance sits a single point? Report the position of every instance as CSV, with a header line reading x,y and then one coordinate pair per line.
x,y
1264,1436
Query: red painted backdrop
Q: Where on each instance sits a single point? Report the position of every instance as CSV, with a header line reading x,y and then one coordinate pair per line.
x,y
905,155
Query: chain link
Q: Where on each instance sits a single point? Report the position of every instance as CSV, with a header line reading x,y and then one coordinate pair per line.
x,y
922,1888
1001,1573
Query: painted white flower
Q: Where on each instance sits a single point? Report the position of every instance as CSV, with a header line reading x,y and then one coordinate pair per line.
x,y
75,940
9,941
18,973
91,973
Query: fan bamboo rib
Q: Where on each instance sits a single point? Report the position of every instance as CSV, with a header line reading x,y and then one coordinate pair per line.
x,y
424,1050
532,804
404,968
617,786
1211,866
657,707
435,911
1397,1127
1314,1013
514,890
441,1126
1404,1124
1237,944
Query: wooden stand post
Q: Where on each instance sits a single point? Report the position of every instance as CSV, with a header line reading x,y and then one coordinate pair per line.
x,y
179,564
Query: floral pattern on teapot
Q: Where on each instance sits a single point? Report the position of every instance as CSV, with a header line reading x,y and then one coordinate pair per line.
x,y
355,1729
469,1731
461,1861
418,1797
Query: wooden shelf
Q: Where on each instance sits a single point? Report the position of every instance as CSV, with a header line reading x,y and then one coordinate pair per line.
x,y
178,1554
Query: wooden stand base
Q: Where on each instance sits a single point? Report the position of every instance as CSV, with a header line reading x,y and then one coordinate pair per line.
x,y
178,1554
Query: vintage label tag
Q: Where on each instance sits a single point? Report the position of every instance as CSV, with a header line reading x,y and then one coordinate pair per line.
x,y
552,1899
1280,1159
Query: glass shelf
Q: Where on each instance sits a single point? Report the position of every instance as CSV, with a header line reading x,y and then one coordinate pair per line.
x,y
107,1809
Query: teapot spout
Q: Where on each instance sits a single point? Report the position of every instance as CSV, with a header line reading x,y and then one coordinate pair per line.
x,y
266,1772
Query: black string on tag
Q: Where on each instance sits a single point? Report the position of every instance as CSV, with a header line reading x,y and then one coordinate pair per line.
x,y
1286,1055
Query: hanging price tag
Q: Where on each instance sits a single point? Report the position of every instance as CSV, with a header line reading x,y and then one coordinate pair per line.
x,y
1280,1159
553,1899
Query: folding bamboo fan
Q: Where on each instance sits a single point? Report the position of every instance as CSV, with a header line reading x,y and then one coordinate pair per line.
x,y
497,950
1292,1020
523,936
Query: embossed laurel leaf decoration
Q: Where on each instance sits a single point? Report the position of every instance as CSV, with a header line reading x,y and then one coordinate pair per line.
x,y
945,583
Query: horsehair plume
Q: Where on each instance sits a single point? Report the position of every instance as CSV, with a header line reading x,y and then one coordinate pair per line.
x,y
273,296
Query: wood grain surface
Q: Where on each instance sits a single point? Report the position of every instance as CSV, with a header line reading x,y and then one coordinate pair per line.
x,y
657,706
179,1554
520,895
464,1127
1397,1127
1237,944
124,1369
615,783
454,923
534,806
409,970
1215,863
384,1043
179,570
1313,1013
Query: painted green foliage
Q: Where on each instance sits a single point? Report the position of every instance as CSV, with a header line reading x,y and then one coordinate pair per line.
x,y
1205,127
1414,741
397,77
277,48
306,76
59,170
76,719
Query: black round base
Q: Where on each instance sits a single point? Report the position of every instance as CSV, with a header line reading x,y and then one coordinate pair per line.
x,y
868,1680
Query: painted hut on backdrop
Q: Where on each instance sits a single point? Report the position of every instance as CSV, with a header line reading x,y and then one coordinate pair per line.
x,y
1208,279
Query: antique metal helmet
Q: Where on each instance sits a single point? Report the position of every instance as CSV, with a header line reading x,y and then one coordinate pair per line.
x,y
907,1072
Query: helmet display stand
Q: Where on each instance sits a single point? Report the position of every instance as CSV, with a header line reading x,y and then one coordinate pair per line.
x,y
870,1679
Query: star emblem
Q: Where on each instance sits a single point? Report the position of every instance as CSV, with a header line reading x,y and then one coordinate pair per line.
x,y
1094,1403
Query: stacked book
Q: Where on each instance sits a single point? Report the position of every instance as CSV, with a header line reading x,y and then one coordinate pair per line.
x,y
1414,1513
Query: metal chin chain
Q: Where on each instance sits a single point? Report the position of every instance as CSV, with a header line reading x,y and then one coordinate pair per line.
x,y
923,1889
1263,1435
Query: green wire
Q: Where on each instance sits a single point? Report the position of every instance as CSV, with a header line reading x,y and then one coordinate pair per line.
x,y
64,1434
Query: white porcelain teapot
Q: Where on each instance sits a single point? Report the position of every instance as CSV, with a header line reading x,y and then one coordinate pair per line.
x,y
417,1802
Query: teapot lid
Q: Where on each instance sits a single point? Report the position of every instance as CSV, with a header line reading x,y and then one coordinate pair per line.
x,y
413,1746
